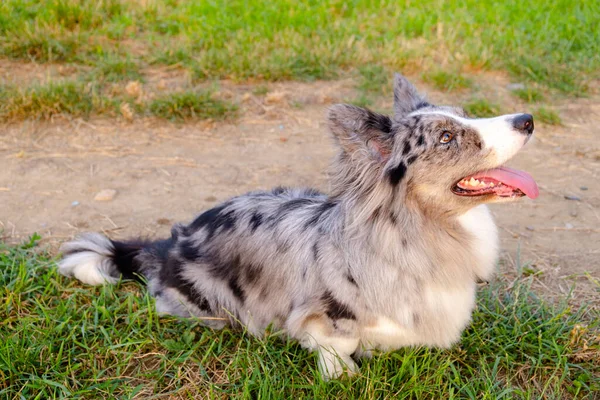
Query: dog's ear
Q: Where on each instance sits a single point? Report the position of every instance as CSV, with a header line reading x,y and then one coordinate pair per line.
x,y
406,97
361,133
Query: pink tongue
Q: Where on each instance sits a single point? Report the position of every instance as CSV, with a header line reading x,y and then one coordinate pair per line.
x,y
512,177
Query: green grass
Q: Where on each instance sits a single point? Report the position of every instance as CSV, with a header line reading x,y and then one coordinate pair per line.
x,y
529,94
374,79
116,69
362,100
76,99
553,47
59,339
555,43
36,44
481,108
447,80
260,90
49,100
191,104
547,116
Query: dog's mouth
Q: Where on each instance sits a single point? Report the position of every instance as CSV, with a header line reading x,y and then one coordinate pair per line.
x,y
501,181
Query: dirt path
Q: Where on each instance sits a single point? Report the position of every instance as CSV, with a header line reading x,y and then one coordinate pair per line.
x,y
165,172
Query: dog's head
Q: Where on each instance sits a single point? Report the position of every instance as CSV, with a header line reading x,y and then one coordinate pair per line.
x,y
431,154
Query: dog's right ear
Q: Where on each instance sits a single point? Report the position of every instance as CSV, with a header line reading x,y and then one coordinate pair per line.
x,y
361,133
406,97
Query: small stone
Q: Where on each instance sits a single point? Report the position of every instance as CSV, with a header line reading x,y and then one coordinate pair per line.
x,y
275,97
75,203
163,221
224,94
572,197
573,213
569,226
530,228
584,188
134,89
126,111
515,86
210,198
81,225
324,99
105,195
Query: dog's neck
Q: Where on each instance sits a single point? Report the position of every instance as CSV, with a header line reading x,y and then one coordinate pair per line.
x,y
396,206
398,227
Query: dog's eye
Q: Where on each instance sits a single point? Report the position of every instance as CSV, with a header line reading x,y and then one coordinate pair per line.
x,y
446,137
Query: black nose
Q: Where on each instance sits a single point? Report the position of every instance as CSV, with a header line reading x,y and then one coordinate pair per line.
x,y
523,123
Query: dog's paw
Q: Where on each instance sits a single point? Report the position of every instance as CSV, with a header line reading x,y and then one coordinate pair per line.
x,y
332,366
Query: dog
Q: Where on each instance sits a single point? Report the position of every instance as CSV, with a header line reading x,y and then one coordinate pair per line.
x,y
391,257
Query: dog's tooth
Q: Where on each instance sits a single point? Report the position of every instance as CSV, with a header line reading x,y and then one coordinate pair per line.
x,y
492,184
473,182
482,184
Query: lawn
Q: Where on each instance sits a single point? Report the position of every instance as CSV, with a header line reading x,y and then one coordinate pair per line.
x,y
550,47
59,339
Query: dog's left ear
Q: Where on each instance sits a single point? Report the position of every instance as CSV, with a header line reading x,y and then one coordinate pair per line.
x,y
406,97
361,133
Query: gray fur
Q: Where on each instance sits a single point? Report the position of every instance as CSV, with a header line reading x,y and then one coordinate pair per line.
x,y
382,262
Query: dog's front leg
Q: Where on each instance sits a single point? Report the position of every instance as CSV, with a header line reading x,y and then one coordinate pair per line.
x,y
334,342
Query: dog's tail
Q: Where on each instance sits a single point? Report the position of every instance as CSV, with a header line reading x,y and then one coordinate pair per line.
x,y
95,259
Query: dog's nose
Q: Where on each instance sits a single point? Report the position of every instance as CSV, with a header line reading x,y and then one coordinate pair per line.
x,y
523,123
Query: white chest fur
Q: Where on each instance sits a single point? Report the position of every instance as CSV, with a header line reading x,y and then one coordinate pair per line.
x,y
437,321
479,222
443,311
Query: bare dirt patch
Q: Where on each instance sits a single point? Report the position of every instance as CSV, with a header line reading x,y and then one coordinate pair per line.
x,y
22,74
165,172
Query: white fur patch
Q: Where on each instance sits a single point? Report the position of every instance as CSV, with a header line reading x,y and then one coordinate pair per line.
x,y
387,335
453,307
479,222
88,259
334,351
496,133
89,267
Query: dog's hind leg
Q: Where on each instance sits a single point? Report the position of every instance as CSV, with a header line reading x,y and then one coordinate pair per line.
x,y
172,301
